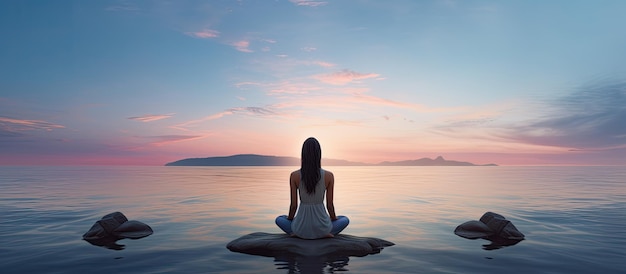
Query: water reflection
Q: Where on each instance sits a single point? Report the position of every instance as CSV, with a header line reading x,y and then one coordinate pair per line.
x,y
498,242
312,264
109,242
295,263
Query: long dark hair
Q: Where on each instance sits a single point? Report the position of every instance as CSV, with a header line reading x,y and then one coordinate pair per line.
x,y
310,164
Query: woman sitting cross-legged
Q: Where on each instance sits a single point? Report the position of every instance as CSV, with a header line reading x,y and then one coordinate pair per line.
x,y
312,182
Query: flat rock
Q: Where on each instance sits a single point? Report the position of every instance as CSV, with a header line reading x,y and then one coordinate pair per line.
x,y
267,244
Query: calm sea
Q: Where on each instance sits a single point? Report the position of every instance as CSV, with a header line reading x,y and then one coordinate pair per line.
x,y
574,218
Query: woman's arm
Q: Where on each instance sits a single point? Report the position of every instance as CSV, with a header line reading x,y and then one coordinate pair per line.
x,y
293,189
329,178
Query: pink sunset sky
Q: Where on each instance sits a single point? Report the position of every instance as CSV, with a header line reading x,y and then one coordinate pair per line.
x,y
150,82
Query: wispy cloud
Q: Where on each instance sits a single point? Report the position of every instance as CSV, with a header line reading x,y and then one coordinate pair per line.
x,y
151,117
287,87
11,124
592,117
309,49
242,45
344,77
185,126
258,111
308,3
4,133
468,123
243,84
169,139
324,64
292,94
374,100
253,111
122,7
204,34
281,88
346,100
360,96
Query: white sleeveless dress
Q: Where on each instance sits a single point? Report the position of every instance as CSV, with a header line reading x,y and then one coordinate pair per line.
x,y
312,220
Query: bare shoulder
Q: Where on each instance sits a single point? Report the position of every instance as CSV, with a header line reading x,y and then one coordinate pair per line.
x,y
328,173
294,178
295,174
329,176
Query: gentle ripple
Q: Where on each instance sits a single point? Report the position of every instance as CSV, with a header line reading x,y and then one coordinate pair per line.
x,y
573,218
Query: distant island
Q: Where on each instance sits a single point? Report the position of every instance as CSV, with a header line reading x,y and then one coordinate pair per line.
x,y
264,160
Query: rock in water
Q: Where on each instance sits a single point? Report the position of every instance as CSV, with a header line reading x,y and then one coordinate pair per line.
x,y
490,225
271,245
493,227
115,226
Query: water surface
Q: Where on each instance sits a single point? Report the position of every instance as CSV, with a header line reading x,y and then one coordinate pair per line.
x,y
573,218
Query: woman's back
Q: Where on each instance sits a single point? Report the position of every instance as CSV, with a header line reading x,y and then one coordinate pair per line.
x,y
316,197
312,220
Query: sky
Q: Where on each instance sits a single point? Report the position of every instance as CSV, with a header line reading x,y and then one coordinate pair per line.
x,y
150,82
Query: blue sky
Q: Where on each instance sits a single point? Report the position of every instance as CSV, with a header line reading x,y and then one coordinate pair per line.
x,y
148,82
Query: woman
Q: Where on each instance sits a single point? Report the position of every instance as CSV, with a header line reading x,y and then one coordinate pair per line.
x,y
311,181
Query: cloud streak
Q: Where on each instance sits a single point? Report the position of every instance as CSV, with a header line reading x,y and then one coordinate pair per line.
x,y
308,3
185,126
374,100
324,64
257,111
10,124
151,117
122,7
592,117
162,140
280,88
204,34
242,45
343,77
308,95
